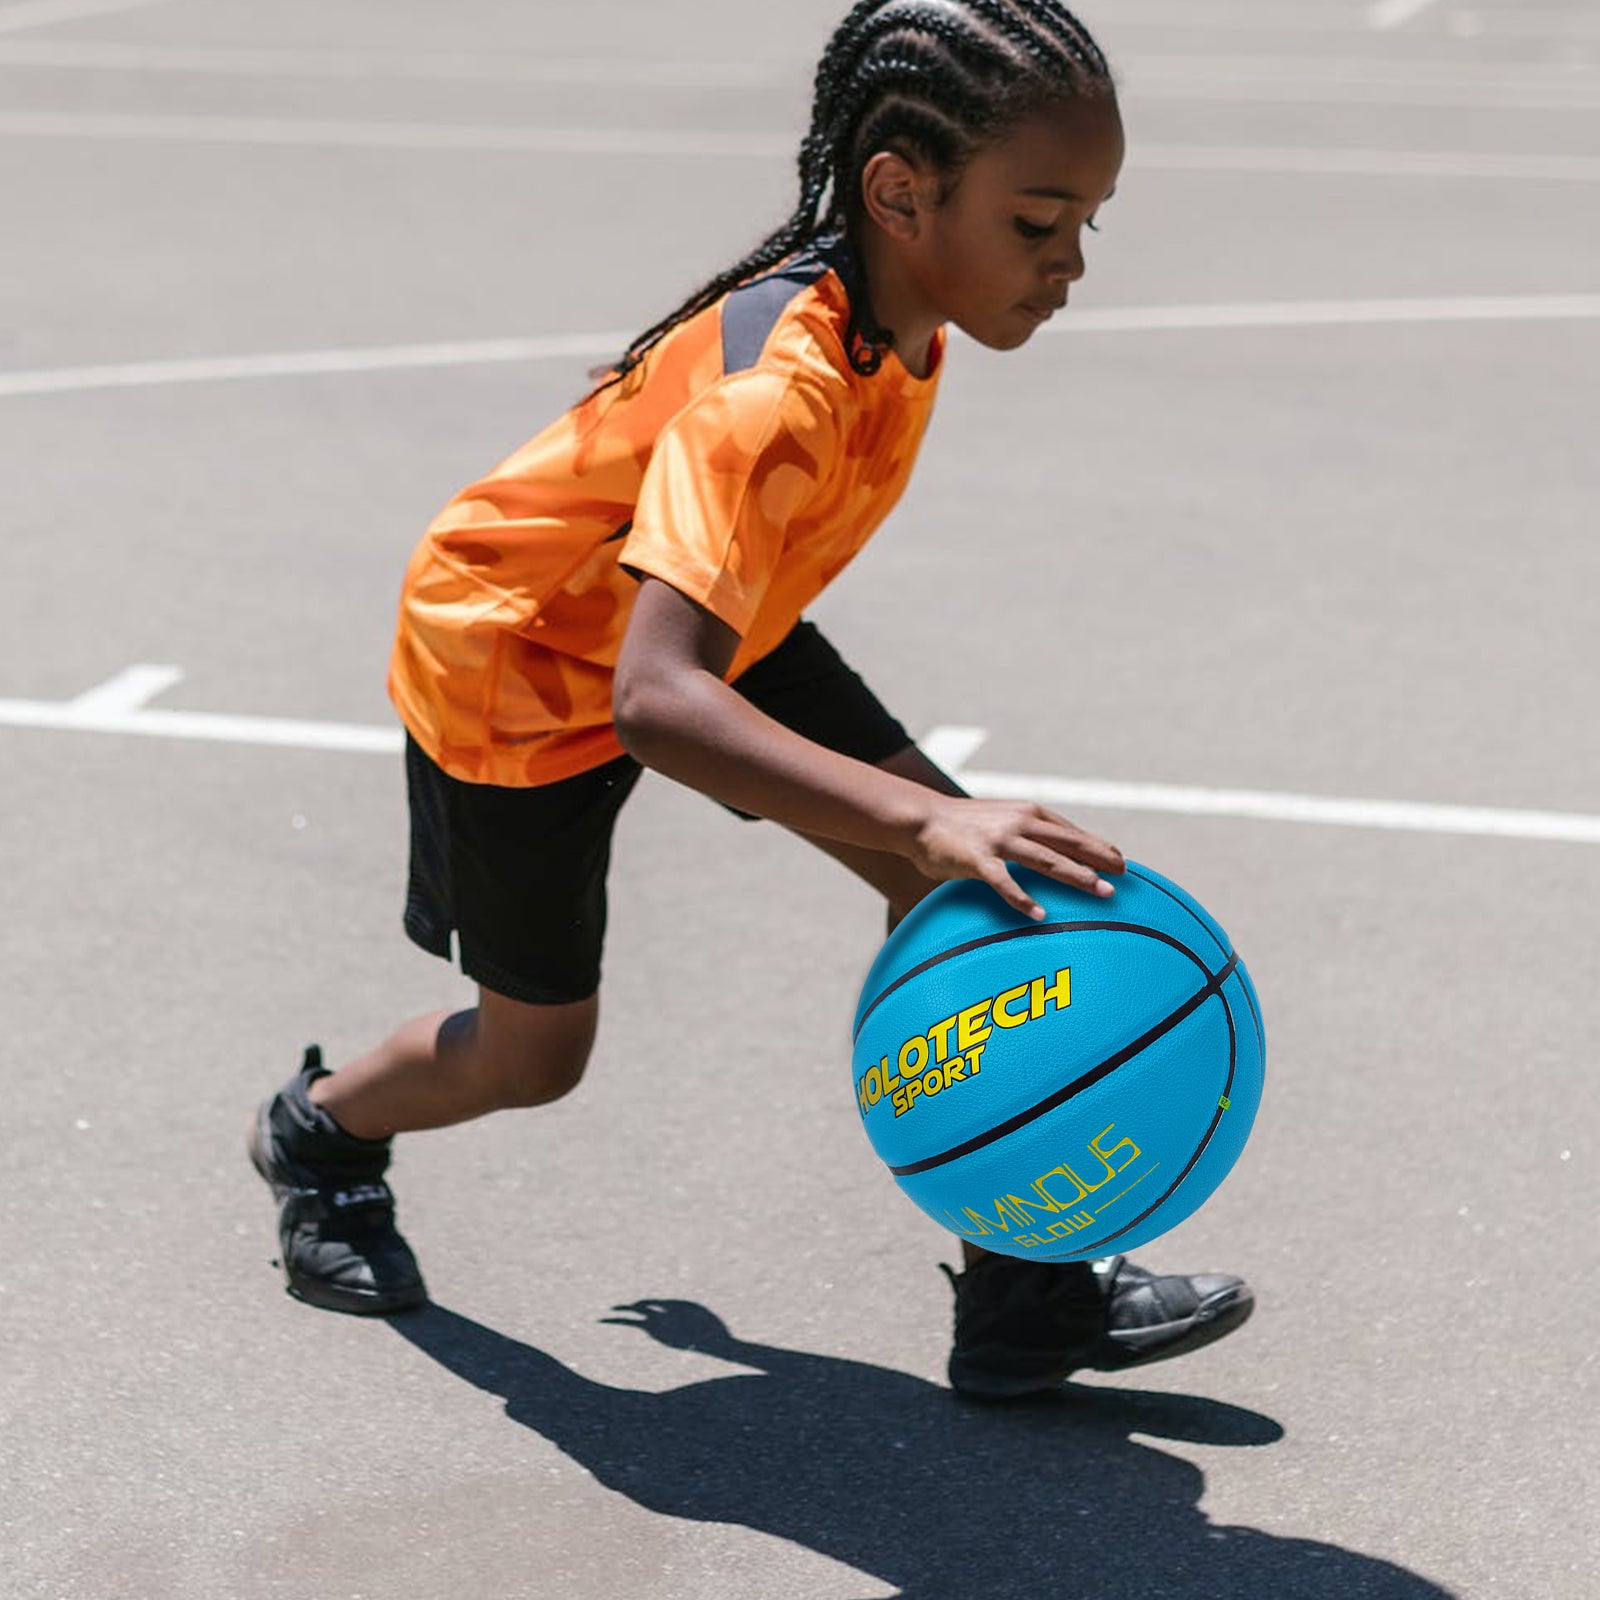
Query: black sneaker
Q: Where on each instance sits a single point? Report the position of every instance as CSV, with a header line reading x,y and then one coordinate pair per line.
x,y
336,1226
1023,1327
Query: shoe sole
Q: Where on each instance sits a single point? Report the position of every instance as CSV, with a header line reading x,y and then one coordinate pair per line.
x,y
311,1291
1213,1319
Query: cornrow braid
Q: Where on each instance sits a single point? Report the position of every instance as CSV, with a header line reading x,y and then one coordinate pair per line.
x,y
1076,40
1028,39
933,78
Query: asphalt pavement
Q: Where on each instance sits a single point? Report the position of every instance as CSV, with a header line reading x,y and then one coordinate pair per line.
x,y
1301,508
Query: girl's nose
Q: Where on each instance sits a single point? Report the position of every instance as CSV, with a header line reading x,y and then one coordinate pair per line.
x,y
1066,268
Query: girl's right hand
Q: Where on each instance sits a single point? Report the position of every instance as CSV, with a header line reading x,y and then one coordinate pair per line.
x,y
966,838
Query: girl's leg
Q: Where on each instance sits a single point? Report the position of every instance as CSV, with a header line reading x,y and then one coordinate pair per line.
x,y
452,1067
512,881
1022,1327
322,1142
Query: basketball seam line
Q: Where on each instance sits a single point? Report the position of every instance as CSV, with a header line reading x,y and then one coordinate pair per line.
x,y
1255,1019
1177,900
1088,1080
1200,1149
1023,933
1146,876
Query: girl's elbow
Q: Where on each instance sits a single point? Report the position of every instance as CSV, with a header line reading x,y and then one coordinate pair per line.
x,y
636,716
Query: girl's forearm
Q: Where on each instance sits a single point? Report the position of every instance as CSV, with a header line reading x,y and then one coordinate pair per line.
x,y
692,727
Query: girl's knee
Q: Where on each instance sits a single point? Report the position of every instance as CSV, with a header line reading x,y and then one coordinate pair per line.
x,y
539,1078
530,1055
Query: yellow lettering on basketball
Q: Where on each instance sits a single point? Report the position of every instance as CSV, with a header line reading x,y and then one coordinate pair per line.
x,y
953,1047
1002,1008
913,1056
1060,991
939,1034
969,1025
1061,1202
1057,1191
1121,1144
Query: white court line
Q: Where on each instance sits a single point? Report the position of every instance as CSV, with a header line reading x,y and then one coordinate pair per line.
x,y
1263,80
1332,314
1368,163
679,143
42,13
131,690
1206,16
312,363
1572,85
118,708
329,133
1276,16
1387,14
603,346
952,747
612,72
345,65
1571,94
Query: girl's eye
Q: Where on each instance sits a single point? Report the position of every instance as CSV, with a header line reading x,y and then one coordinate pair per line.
x,y
1092,225
1033,230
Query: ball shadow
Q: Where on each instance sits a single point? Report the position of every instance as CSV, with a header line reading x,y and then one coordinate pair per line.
x,y
900,1479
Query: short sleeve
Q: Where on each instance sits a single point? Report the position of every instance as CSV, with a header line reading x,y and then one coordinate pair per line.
x,y
725,479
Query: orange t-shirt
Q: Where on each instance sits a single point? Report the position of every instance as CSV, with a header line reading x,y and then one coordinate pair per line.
x,y
744,462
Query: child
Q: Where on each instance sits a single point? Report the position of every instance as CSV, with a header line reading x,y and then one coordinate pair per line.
x,y
627,590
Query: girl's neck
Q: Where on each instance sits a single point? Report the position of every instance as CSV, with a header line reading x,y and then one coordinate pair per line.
x,y
898,306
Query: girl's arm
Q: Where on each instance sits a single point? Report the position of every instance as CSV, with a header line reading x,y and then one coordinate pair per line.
x,y
674,713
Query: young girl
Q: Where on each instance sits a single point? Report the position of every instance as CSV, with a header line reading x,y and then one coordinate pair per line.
x,y
627,590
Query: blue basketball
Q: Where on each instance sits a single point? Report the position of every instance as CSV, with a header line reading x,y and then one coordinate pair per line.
x,y
1063,1089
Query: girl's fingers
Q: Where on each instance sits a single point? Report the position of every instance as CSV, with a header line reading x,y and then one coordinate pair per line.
x,y
1013,893
1062,868
1067,839
980,839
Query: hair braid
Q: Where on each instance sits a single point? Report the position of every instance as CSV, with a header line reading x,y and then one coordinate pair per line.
x,y
935,78
838,61
1075,38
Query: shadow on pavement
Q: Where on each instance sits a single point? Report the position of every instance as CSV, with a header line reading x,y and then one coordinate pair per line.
x,y
1050,1500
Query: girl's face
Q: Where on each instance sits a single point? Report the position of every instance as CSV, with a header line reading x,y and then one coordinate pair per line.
x,y
997,252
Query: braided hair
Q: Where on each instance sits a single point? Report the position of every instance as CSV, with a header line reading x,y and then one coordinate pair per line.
x,y
937,78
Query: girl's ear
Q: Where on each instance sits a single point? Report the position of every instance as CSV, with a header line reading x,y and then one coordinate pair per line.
x,y
896,194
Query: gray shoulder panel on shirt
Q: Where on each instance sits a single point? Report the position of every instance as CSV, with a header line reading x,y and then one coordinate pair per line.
x,y
751,312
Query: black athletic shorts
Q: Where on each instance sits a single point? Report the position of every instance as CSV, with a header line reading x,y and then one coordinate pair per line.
x,y
518,876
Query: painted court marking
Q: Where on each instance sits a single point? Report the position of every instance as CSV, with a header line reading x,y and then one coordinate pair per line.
x,y
688,143
512,66
344,133
1358,162
393,66
121,706
952,747
1364,80
1388,14
590,346
312,363
44,13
